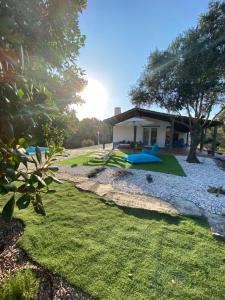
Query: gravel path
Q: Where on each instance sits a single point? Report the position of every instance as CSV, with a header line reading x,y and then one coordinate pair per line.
x,y
192,188
82,171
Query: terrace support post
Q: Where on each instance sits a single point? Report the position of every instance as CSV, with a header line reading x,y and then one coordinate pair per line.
x,y
214,140
135,135
171,134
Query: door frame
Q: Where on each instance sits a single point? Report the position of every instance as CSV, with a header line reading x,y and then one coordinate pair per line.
x,y
149,134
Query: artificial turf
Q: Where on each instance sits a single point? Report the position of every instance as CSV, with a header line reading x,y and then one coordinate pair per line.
x,y
168,164
121,253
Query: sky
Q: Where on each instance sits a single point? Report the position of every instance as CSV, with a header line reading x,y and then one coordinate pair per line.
x,y
120,35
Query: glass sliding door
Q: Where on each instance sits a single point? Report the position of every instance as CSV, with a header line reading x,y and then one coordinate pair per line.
x,y
153,136
149,136
146,136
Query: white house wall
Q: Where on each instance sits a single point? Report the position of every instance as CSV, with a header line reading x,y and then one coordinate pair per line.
x,y
125,132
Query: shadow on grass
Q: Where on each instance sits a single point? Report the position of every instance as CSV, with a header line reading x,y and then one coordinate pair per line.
x,y
158,216
149,215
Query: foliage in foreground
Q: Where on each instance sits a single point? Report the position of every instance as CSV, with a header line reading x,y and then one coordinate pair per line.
x,y
25,179
121,253
21,286
46,38
169,164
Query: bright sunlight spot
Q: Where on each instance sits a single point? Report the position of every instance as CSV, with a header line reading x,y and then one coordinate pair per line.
x,y
95,97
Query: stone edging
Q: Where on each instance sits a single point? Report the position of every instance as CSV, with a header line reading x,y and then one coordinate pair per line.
x,y
186,208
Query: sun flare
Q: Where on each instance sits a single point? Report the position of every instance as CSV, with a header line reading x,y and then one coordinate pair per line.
x,y
95,97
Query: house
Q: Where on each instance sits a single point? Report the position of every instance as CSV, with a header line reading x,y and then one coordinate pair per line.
x,y
147,127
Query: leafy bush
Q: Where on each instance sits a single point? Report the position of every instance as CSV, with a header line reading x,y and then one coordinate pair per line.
x,y
23,286
25,179
149,178
87,143
122,173
95,172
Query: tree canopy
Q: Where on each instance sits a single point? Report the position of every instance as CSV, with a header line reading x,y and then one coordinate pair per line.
x,y
188,77
39,76
45,35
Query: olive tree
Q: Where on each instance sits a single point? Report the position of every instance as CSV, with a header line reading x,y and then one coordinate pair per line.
x,y
189,75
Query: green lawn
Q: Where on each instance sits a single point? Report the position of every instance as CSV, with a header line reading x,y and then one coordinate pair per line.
x,y
168,165
119,253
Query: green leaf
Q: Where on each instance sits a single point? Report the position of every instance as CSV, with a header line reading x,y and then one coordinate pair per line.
x,y
11,173
38,206
24,160
48,180
38,179
34,161
24,201
22,142
2,191
8,209
56,179
20,93
22,174
38,154
9,187
46,155
38,198
59,149
50,191
24,188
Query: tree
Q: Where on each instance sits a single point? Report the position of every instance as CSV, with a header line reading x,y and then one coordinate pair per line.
x,y
20,111
90,127
189,75
87,129
39,45
45,36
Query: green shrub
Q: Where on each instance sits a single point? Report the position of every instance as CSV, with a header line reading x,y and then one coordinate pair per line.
x,y
22,286
87,143
95,172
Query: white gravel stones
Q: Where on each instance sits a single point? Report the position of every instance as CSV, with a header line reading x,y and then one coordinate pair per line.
x,y
192,188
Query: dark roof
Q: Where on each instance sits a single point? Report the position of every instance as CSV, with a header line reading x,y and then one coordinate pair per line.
x,y
180,122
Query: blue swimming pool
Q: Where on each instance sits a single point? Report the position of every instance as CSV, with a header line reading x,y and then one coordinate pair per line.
x,y
31,150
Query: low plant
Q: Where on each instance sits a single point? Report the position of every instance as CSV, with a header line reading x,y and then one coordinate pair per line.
x,y
149,178
95,172
25,178
216,190
22,286
73,165
87,143
122,173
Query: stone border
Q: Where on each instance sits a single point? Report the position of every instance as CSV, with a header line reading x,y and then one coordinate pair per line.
x,y
186,208
109,193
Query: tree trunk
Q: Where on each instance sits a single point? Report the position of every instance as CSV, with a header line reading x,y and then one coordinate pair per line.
x,y
202,139
195,139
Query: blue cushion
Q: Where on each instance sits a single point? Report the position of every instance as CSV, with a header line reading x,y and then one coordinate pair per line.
x,y
153,151
141,158
147,151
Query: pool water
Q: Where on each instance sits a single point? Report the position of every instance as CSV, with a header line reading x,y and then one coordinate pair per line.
x,y
31,150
